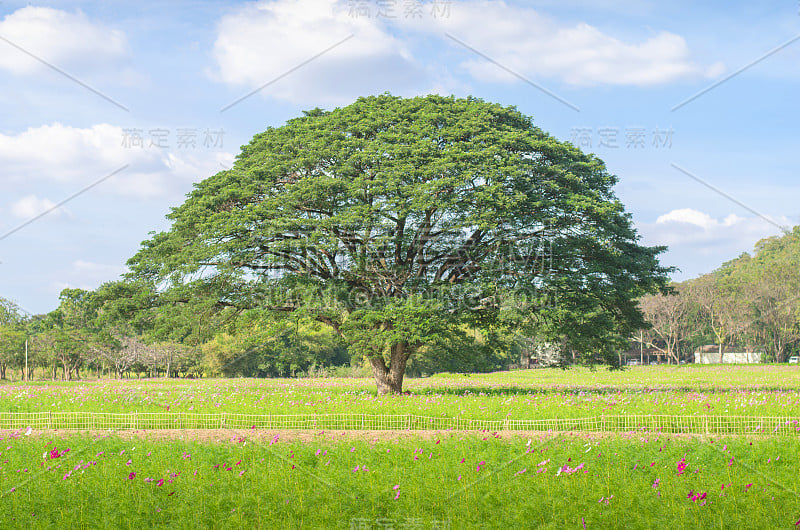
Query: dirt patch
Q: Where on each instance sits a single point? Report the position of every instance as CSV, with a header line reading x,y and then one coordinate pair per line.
x,y
307,436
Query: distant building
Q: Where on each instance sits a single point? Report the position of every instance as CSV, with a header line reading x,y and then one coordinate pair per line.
x,y
709,354
538,354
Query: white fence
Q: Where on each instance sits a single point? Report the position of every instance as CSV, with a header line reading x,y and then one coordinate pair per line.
x,y
405,422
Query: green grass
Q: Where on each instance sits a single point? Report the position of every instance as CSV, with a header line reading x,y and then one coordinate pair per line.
x,y
466,480
760,390
501,483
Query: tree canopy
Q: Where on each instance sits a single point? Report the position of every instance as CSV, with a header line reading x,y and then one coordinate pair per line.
x,y
398,222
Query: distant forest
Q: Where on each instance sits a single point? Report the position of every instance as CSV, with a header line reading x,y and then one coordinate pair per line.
x,y
751,302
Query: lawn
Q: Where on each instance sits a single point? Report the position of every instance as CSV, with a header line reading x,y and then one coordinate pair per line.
x,y
435,479
461,480
731,390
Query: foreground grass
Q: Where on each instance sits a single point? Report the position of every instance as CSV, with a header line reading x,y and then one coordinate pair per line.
x,y
453,480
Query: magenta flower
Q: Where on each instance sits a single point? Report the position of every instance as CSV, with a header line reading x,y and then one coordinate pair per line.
x,y
681,466
132,475
160,482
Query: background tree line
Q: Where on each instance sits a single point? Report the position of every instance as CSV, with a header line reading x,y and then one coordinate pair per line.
x,y
751,302
128,329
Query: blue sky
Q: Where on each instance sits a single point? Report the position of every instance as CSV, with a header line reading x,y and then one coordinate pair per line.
x,y
121,107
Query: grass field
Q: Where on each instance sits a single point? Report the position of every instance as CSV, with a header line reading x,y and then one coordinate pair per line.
x,y
451,479
736,390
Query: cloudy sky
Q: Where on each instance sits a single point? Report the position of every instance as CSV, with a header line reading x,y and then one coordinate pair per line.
x,y
110,110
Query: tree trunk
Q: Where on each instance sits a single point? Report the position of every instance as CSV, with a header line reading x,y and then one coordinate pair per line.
x,y
390,379
720,352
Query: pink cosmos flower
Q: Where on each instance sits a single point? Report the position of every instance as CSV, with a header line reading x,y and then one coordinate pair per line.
x,y
681,466
132,475
160,482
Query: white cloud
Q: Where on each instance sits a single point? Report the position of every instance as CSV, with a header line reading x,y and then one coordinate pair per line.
x,y
690,234
66,40
261,42
535,45
77,157
699,243
697,218
30,206
86,275
96,270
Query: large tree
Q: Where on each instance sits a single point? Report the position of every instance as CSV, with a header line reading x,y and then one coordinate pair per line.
x,y
402,222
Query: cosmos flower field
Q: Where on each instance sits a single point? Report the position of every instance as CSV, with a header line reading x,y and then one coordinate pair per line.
x,y
444,479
